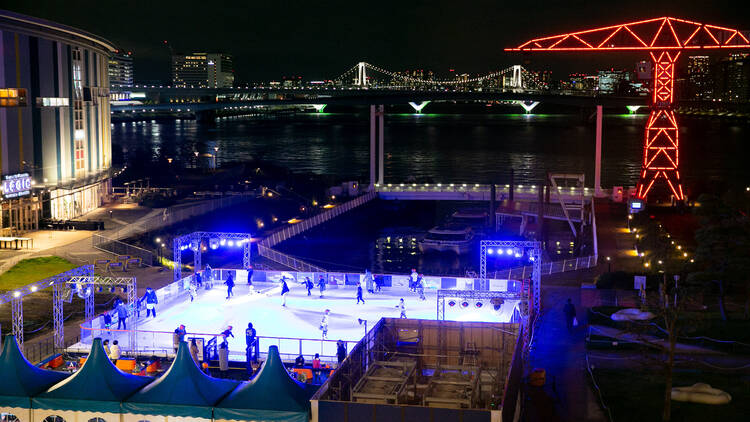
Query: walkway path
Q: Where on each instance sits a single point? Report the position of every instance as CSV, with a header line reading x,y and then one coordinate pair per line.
x,y
567,395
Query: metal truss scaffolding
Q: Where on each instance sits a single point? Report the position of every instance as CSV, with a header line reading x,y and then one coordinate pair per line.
x,y
193,241
531,249
92,283
60,292
664,39
470,295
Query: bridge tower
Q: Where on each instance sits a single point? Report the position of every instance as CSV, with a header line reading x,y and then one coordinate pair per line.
x,y
517,80
664,39
361,74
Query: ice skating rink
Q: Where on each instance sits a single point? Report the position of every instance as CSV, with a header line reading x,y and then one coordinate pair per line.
x,y
211,313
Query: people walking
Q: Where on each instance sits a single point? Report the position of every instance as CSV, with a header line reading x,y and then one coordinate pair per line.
x,y
250,334
284,291
122,316
359,294
223,357
194,352
401,305
570,315
230,285
308,285
324,324
340,351
322,284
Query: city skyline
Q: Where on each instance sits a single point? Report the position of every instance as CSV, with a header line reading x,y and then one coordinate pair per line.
x,y
290,39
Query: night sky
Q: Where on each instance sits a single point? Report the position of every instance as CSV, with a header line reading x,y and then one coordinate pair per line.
x,y
270,39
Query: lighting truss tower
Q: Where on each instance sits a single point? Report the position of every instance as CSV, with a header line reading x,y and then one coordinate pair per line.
x,y
193,241
532,249
664,39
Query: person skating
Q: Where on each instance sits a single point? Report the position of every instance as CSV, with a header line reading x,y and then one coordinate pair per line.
x,y
122,316
420,287
208,277
570,314
324,324
402,306
230,285
308,285
359,294
413,279
321,284
284,291
151,302
369,282
228,332
250,275
198,280
193,291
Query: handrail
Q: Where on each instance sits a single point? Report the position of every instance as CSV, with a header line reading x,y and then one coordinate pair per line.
x,y
81,326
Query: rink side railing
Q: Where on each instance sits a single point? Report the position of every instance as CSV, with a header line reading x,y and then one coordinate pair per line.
x,y
551,267
265,246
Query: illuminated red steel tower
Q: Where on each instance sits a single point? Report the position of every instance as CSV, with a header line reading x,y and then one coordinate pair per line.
x,y
665,39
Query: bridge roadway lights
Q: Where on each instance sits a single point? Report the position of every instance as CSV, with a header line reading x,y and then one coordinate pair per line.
x,y
528,105
418,107
319,107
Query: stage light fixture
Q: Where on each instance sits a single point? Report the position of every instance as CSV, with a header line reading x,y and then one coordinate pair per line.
x,y
490,251
464,304
213,243
223,242
500,251
451,303
509,251
231,243
478,305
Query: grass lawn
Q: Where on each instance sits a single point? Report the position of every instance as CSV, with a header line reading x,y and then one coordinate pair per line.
x,y
34,269
638,395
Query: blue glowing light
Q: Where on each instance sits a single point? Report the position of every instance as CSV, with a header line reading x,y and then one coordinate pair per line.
x,y
509,251
499,251
531,259
490,251
231,243
223,242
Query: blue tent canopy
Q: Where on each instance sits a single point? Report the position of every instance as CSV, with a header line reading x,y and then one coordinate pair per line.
x,y
97,387
19,379
182,391
271,396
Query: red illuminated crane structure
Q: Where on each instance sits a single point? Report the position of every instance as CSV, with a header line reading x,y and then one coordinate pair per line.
x,y
665,39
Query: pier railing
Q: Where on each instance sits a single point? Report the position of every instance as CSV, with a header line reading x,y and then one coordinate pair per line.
x,y
290,231
265,246
116,247
551,267
474,191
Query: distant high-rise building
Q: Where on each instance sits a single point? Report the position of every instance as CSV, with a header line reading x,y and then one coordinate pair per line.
x,y
700,85
120,68
732,80
203,70
611,81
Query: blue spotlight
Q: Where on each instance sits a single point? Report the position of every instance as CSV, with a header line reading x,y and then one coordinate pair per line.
x,y
490,251
231,243
223,242
499,251
509,251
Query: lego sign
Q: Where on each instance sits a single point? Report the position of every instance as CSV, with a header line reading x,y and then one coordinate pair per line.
x,y
16,185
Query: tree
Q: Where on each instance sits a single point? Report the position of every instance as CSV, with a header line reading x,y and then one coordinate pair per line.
x,y
723,250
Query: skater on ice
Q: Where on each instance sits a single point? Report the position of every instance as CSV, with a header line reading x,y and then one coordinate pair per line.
x,y
359,294
122,316
413,279
228,332
324,324
250,334
151,302
402,306
284,291
193,291
308,285
369,283
321,284
420,287
250,275
230,286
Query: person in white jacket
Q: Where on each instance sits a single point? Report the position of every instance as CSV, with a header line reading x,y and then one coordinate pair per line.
x,y
114,351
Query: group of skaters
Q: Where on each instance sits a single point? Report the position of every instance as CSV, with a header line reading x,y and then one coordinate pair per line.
x,y
120,309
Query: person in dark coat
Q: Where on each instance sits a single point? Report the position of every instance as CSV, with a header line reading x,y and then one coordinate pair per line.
x,y
250,339
122,316
250,275
284,291
570,314
340,351
322,284
309,285
151,301
230,286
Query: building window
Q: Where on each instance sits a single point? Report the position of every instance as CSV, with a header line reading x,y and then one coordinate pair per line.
x,y
78,127
52,102
54,418
12,97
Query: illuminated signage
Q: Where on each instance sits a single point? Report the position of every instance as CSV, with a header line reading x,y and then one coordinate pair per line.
x,y
16,185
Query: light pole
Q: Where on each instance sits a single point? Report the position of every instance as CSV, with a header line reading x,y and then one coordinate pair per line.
x,y
609,264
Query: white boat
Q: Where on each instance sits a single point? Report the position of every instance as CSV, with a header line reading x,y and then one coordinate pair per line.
x,y
450,238
473,217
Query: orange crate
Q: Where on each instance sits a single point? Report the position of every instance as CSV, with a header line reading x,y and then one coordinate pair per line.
x,y
56,362
126,365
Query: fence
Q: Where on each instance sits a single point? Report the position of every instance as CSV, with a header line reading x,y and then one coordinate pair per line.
x,y
295,229
121,248
182,212
265,247
552,267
